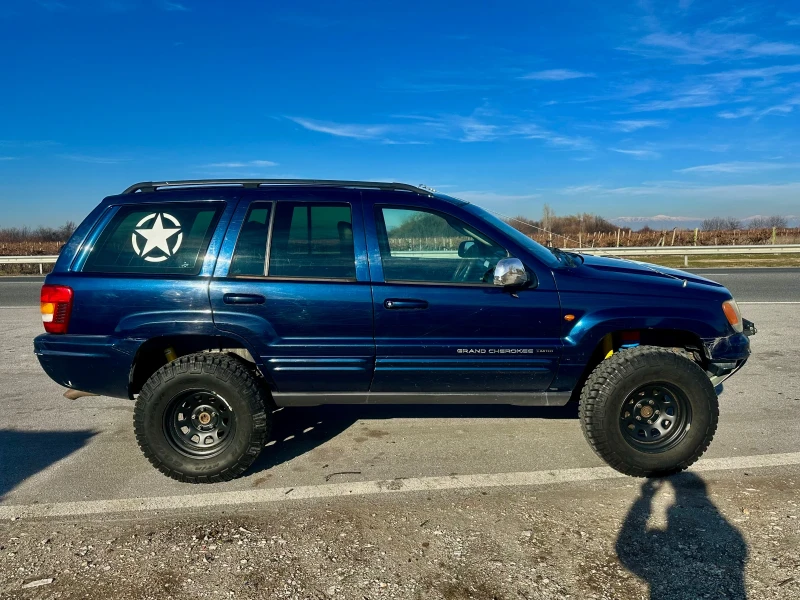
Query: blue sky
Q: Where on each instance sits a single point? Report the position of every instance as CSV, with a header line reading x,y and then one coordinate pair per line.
x,y
628,109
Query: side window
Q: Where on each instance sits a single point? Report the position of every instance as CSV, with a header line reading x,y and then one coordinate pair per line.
x,y
250,255
155,239
312,240
421,245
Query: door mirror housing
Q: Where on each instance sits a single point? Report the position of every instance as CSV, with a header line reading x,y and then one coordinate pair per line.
x,y
510,272
464,248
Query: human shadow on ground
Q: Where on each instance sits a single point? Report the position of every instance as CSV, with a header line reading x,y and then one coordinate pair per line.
x,y
698,555
26,453
296,431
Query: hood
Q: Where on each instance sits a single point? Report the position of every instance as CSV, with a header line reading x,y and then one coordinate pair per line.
x,y
609,266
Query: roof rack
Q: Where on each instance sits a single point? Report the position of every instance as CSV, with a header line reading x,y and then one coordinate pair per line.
x,y
152,186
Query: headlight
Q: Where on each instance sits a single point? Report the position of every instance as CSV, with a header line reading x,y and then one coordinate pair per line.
x,y
733,314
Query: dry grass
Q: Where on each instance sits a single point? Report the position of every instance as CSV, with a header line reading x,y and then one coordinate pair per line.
x,y
724,260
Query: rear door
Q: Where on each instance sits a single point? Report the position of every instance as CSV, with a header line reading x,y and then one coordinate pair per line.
x,y
441,326
292,282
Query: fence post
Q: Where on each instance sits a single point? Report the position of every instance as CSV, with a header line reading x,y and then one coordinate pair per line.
x,y
695,236
41,271
774,235
685,260
618,231
673,236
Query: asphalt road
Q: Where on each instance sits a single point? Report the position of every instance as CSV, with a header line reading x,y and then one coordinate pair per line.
x,y
747,285
79,459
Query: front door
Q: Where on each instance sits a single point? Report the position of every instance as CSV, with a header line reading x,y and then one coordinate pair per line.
x,y
441,326
289,284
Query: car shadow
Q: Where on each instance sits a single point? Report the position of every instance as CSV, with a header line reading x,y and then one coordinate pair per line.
x,y
698,555
26,453
296,431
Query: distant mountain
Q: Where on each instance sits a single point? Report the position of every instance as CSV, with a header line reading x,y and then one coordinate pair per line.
x,y
659,222
794,220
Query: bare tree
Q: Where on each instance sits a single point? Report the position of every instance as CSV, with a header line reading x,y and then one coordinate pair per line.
x,y
721,224
768,222
548,216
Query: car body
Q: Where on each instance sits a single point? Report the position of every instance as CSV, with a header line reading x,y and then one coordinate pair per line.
x,y
366,326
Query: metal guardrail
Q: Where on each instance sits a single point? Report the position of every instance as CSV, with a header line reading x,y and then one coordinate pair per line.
x,y
692,250
29,260
685,251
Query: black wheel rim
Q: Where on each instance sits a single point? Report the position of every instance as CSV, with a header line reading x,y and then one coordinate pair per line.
x,y
655,417
199,423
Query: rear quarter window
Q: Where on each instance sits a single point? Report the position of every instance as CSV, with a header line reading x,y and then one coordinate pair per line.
x,y
155,239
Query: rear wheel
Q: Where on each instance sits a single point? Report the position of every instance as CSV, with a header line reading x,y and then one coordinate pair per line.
x,y
649,411
202,418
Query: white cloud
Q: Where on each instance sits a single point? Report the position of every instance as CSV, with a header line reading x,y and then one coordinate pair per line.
x,y
556,75
775,49
732,80
95,160
28,143
781,109
52,5
737,114
481,126
659,218
698,96
478,197
635,125
357,131
173,6
640,154
785,192
242,165
2,158
739,167
704,46
534,132
580,189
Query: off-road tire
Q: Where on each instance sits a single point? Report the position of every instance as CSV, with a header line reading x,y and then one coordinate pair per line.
x,y
611,383
222,375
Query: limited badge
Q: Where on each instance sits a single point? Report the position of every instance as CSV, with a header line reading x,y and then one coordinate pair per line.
x,y
160,242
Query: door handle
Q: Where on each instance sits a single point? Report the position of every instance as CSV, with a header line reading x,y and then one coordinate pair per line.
x,y
405,304
243,299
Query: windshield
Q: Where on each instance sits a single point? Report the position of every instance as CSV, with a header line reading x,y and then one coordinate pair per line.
x,y
535,248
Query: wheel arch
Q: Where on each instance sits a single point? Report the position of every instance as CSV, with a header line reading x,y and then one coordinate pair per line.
x,y
611,340
155,352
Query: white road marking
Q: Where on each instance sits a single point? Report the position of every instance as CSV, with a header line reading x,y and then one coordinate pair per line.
x,y
363,488
746,302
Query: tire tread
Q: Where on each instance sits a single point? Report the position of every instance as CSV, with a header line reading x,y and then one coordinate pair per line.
x,y
226,369
593,414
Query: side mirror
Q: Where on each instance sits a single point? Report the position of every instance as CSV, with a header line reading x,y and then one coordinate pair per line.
x,y
510,272
464,247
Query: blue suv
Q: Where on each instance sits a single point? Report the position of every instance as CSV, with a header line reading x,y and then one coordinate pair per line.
x,y
211,303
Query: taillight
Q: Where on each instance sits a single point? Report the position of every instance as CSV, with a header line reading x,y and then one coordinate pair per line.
x,y
56,305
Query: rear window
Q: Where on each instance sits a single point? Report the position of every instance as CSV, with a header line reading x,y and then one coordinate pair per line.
x,y
155,239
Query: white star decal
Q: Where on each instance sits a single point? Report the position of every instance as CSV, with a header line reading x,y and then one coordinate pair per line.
x,y
157,237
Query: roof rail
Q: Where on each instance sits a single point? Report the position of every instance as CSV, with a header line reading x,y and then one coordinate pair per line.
x,y
152,186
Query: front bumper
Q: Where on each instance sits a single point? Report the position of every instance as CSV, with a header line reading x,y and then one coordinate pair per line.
x,y
91,363
727,355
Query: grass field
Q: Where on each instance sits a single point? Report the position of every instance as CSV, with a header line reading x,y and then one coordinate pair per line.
x,y
723,260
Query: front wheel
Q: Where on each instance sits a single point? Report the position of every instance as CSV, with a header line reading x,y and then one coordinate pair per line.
x,y
202,418
649,411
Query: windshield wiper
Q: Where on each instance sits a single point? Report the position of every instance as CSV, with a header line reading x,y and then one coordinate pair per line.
x,y
564,256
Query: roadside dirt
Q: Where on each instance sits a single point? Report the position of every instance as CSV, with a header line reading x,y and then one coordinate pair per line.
x,y
733,535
